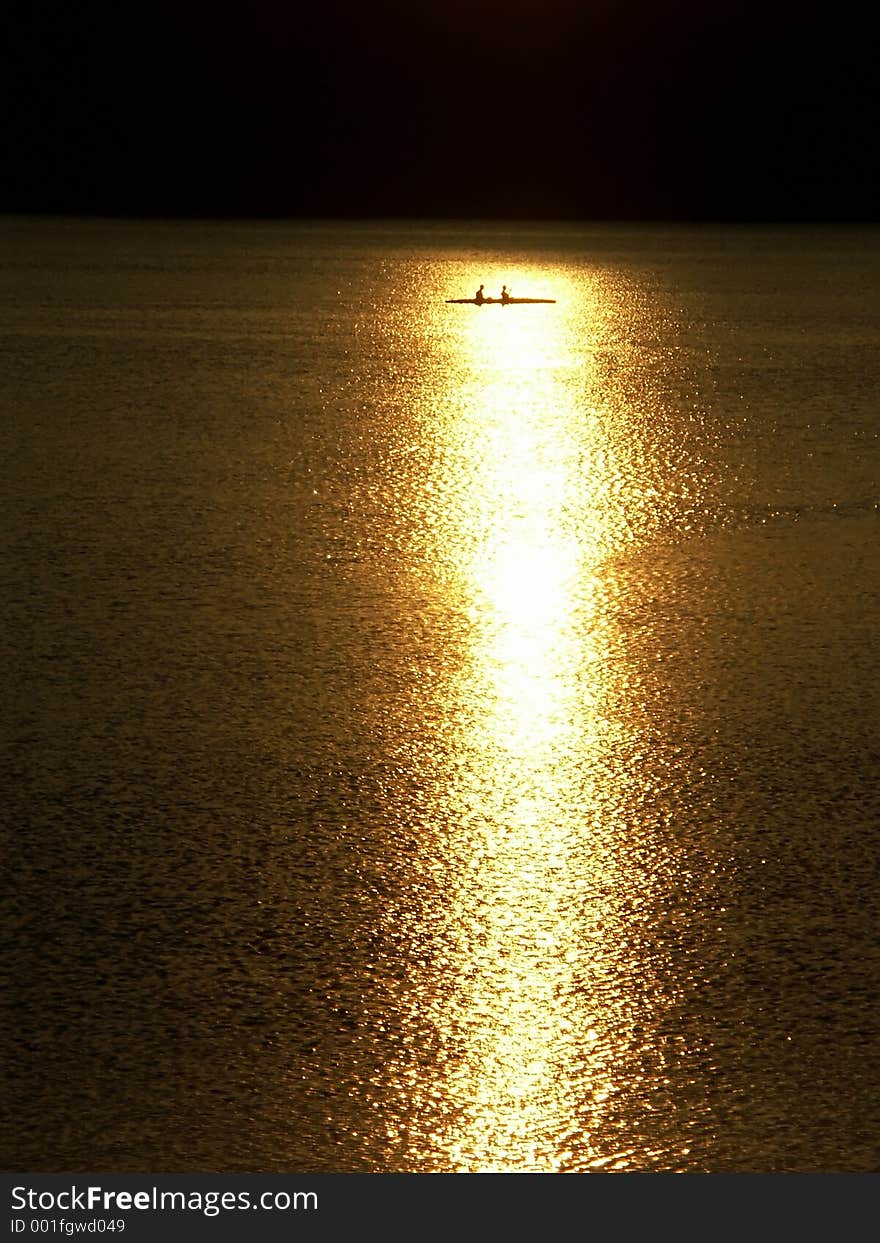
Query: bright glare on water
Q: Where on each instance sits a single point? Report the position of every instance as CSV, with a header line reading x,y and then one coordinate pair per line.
x,y
442,738
529,1012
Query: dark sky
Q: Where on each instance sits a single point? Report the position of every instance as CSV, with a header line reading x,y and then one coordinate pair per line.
x,y
573,109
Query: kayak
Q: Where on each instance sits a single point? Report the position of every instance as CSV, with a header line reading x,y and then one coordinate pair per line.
x,y
498,301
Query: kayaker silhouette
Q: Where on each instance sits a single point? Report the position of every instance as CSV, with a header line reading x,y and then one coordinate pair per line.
x,y
505,294
478,296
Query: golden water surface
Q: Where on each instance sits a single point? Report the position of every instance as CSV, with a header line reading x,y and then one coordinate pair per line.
x,y
438,737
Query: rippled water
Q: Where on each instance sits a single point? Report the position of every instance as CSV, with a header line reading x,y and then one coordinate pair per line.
x,y
435,737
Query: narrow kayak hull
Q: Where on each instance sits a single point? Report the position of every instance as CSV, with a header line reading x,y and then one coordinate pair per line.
x,y
498,301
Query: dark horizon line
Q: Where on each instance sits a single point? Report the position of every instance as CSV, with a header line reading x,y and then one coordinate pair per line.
x,y
194,216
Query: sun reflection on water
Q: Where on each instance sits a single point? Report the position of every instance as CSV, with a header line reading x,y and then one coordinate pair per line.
x,y
526,1009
